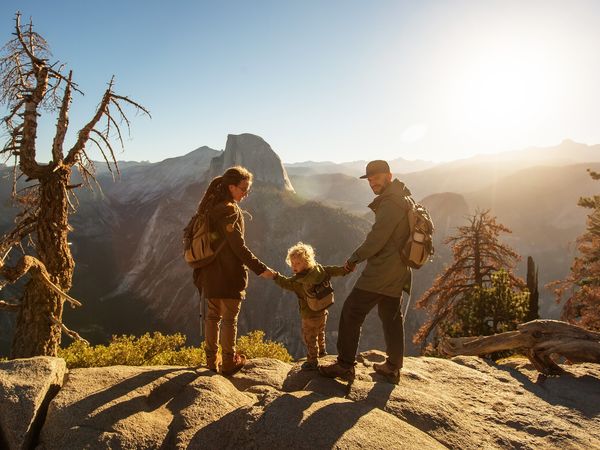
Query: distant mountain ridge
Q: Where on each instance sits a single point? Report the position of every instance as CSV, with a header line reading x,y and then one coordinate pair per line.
x,y
354,168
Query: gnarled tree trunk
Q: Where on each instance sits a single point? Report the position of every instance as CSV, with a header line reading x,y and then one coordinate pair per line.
x,y
38,330
541,339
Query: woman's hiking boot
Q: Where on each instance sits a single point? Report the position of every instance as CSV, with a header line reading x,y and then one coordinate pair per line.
x,y
214,363
390,372
233,365
336,370
309,365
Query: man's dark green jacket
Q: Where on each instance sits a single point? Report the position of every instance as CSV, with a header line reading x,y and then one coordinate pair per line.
x,y
385,272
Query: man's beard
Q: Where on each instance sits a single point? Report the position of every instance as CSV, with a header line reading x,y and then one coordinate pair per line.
x,y
378,189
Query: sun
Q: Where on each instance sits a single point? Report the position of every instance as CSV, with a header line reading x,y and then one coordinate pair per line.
x,y
506,87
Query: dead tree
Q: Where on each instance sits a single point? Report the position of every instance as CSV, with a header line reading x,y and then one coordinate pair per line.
x,y
31,85
478,254
540,339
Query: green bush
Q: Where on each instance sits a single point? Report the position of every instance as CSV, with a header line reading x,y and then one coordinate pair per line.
x,y
254,345
147,350
158,349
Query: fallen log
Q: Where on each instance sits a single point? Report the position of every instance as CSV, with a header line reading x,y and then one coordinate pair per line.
x,y
540,340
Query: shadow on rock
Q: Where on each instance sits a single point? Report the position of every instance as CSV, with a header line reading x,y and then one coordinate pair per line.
x,y
91,403
306,420
571,390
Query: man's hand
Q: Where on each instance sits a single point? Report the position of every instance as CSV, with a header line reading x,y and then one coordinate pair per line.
x,y
349,266
268,274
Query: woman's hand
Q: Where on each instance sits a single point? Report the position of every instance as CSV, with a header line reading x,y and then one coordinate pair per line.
x,y
268,274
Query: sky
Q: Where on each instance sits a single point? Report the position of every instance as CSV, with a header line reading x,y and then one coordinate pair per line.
x,y
336,80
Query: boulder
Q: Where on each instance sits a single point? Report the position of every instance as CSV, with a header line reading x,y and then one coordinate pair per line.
x,y
26,388
261,372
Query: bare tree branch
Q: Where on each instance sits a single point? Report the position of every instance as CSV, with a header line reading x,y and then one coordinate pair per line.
x,y
31,265
112,153
72,334
62,124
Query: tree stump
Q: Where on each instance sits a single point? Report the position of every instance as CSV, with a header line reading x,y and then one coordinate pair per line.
x,y
540,339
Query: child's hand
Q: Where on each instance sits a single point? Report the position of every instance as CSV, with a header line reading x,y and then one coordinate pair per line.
x,y
349,266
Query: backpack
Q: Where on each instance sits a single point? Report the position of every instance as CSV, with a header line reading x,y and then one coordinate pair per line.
x,y
418,248
197,237
320,296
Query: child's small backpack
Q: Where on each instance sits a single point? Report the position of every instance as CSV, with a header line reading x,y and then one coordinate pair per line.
x,y
419,245
197,237
320,296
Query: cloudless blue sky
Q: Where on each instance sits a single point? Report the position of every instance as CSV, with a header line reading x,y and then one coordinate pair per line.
x,y
332,80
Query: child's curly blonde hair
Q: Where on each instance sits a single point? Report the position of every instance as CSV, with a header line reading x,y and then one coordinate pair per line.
x,y
303,251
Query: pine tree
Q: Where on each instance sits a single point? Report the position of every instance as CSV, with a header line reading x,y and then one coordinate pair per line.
x,y
474,295
582,286
489,310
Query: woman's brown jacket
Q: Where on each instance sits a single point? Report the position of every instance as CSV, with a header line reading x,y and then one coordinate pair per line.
x,y
227,275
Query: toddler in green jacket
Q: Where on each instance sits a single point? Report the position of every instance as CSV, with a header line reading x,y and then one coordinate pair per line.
x,y
307,274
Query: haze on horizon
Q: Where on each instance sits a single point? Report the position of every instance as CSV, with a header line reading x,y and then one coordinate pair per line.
x,y
336,81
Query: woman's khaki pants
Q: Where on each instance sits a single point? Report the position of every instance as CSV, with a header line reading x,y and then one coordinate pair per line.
x,y
221,328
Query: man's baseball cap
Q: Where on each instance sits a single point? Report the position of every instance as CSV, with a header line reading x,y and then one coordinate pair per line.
x,y
375,167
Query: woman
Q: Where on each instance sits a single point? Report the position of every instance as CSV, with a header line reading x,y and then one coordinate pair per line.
x,y
224,281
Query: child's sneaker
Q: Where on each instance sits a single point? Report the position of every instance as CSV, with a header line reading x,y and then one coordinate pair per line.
x,y
309,365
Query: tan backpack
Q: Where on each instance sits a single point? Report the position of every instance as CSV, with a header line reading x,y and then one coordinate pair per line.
x,y
197,238
419,245
320,296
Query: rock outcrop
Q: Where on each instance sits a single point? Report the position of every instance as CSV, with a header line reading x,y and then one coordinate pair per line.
x,y
168,407
254,153
26,388
464,403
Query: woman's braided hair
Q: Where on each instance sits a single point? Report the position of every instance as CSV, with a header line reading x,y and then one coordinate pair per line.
x,y
218,189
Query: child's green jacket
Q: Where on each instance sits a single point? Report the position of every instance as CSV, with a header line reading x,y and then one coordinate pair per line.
x,y
302,281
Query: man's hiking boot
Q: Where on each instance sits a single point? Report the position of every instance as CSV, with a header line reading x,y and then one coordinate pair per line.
x,y
234,365
336,370
390,372
309,365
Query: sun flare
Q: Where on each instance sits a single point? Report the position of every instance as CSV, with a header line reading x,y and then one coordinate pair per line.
x,y
506,86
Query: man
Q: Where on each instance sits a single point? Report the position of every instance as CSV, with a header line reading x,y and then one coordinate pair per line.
x,y
383,280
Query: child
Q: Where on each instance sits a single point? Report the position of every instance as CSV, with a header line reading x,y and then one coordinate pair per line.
x,y
307,273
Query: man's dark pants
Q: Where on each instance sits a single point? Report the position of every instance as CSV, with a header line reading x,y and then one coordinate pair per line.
x,y
358,304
